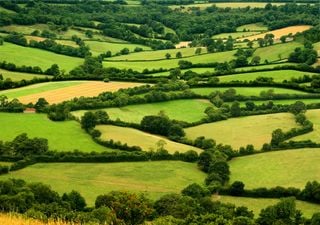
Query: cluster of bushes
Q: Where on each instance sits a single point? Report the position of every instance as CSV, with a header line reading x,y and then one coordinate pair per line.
x,y
306,55
10,106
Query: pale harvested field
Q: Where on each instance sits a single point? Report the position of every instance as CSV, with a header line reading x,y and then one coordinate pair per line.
x,y
11,219
279,32
87,89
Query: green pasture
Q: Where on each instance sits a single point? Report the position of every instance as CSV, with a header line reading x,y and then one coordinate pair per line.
x,y
171,63
38,88
252,27
91,179
235,35
277,75
6,10
289,168
146,141
203,6
276,52
17,76
246,91
62,136
160,54
20,55
238,132
256,204
184,110
286,101
98,47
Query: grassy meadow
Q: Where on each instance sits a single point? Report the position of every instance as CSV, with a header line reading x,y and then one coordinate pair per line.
x,y
203,6
17,76
238,132
62,136
184,110
235,35
20,55
289,168
256,204
252,27
146,141
92,179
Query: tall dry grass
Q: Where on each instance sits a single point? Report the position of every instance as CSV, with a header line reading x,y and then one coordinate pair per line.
x,y
13,219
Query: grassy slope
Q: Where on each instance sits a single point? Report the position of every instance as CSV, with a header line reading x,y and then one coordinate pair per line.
x,y
235,35
291,168
98,47
145,140
286,102
62,136
226,4
247,91
16,76
253,27
171,63
185,110
313,116
36,57
154,55
277,75
241,131
256,204
92,179
36,88
276,52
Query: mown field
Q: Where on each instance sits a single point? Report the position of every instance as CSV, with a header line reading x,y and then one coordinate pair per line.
x,y
277,75
20,55
146,141
289,168
55,92
203,6
241,131
252,27
160,54
184,110
62,136
98,47
280,32
15,219
92,179
256,204
171,63
17,76
235,35
246,91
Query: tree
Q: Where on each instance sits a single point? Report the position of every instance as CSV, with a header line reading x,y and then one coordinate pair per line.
x,y
53,70
102,117
179,55
1,41
277,137
298,107
76,201
261,42
221,168
156,124
124,51
41,105
167,55
198,51
195,191
283,38
237,188
250,44
88,121
255,60
315,220
235,109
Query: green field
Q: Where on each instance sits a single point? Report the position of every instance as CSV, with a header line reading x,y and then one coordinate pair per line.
x,y
184,110
313,116
316,46
20,55
25,29
5,163
286,102
92,179
6,10
256,204
145,140
98,47
17,76
290,168
160,54
276,52
37,88
267,66
277,75
237,132
171,63
62,136
203,6
235,35
253,27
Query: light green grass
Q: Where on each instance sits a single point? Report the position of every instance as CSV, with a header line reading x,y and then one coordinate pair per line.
x,y
253,27
62,136
203,6
20,55
246,91
5,163
160,54
184,110
17,76
37,88
290,168
313,116
146,141
98,47
237,132
92,179
6,10
277,75
256,204
268,66
286,102
276,52
25,29
235,35
171,63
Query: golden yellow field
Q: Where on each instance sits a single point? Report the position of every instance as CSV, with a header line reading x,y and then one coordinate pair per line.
x,y
8,219
279,32
86,89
